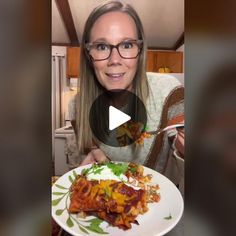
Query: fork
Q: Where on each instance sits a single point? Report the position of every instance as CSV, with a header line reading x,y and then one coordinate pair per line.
x,y
169,127
165,129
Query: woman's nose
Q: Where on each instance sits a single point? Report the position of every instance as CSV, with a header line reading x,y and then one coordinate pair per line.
x,y
114,57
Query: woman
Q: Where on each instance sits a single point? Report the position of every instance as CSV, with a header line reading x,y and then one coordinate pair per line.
x,y
106,64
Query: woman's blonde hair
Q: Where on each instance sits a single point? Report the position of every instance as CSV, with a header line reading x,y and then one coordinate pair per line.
x,y
90,88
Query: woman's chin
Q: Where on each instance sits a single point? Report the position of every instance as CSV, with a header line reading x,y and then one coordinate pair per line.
x,y
118,87
115,87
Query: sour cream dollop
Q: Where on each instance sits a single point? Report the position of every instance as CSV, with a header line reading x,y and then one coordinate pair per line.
x,y
106,174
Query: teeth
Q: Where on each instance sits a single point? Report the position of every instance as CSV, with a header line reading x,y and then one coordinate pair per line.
x,y
115,75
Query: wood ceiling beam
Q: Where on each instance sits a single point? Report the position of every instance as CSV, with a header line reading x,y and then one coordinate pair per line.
x,y
62,44
160,48
179,42
65,12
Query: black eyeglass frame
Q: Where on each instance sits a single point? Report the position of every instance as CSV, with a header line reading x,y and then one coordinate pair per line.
x,y
139,43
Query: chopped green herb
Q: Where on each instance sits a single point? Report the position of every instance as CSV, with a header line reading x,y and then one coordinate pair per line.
x,y
133,170
118,169
168,217
107,192
145,128
95,167
85,171
98,171
90,170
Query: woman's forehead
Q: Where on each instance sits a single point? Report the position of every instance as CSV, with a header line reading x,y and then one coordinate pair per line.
x,y
113,26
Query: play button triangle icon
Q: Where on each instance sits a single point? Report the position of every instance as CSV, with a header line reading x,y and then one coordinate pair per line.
x,y
117,118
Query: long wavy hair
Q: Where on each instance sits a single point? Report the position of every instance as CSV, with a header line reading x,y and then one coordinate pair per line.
x,y
90,88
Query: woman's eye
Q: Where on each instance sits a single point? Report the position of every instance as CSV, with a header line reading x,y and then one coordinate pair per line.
x,y
102,47
127,45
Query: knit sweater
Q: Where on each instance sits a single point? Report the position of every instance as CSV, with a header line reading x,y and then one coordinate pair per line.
x,y
160,86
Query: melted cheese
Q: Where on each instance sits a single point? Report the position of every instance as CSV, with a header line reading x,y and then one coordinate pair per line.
x,y
107,174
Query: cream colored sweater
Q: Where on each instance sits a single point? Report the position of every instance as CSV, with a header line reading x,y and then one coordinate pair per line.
x,y
160,87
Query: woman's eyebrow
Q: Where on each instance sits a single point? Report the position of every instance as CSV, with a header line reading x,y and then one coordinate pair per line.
x,y
127,38
106,41
100,40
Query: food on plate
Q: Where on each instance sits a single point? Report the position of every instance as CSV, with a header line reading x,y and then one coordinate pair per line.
x,y
143,135
131,131
114,192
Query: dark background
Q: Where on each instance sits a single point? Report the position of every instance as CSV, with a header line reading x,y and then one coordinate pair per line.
x,y
25,117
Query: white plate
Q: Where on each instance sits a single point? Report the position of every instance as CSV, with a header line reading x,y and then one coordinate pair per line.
x,y
160,218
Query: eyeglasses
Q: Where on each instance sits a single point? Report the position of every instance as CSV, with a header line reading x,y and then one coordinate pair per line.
x,y
128,49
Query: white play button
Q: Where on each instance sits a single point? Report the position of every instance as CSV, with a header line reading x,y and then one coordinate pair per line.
x,y
116,118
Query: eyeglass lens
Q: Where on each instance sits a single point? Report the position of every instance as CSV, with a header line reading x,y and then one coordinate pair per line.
x,y
102,51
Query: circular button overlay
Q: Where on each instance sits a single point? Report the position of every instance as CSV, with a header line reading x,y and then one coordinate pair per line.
x,y
117,118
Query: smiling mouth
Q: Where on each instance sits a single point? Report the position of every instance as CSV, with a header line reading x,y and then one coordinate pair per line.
x,y
115,76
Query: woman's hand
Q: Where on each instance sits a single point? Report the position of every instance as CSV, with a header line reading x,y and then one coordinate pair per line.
x,y
96,155
179,142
